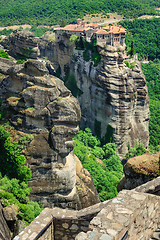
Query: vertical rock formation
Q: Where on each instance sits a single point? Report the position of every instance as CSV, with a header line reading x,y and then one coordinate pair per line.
x,y
114,94
39,104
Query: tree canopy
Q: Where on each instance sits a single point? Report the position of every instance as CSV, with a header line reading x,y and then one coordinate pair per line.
x,y
102,162
54,11
145,36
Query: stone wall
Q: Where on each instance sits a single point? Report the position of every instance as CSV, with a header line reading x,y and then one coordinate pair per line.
x,y
66,223
152,187
132,214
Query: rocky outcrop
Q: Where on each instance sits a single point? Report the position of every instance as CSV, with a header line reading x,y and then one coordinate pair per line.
x,y
87,193
39,104
4,229
22,42
9,224
113,94
139,170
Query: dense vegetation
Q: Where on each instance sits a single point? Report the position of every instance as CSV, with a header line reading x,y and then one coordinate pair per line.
x,y
152,73
14,177
14,174
102,162
51,12
3,54
145,35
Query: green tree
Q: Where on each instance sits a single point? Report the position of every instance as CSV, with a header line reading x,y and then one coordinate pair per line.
x,y
11,160
105,174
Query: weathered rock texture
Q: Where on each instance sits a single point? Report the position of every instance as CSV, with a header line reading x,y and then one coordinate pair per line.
x,y
21,42
4,229
9,224
87,193
41,105
111,93
139,170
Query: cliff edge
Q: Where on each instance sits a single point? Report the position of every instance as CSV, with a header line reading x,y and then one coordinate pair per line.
x,y
39,104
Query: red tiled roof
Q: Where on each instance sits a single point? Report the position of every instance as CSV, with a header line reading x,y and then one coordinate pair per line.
x,y
93,25
102,31
115,29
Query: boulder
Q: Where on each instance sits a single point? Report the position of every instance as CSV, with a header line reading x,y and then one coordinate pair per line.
x,y
22,42
139,170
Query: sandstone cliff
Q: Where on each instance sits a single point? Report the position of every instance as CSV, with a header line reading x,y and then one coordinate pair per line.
x,y
4,229
139,170
113,94
110,93
22,42
39,104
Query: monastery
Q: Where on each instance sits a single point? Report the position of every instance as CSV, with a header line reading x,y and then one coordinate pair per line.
x,y
110,35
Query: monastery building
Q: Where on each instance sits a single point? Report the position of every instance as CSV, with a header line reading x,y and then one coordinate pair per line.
x,y
110,35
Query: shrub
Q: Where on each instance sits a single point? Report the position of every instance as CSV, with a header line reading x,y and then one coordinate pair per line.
x,y
3,54
107,174
19,189
11,160
137,150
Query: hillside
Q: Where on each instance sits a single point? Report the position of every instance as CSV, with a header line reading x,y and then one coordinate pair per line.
x,y
145,36
144,33
51,12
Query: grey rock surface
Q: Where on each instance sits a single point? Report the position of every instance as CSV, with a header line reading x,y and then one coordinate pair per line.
x,y
112,93
4,229
39,104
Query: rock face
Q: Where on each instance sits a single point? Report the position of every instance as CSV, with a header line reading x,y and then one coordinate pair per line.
x,y
40,104
113,94
23,43
4,229
87,193
139,170
9,224
110,94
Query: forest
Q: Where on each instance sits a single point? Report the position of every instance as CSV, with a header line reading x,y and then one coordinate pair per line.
x,y
101,161
50,12
144,33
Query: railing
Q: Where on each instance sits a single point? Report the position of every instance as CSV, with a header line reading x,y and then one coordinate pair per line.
x,y
51,222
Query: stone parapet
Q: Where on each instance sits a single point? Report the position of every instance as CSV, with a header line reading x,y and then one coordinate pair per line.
x,y
60,224
131,214
150,187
